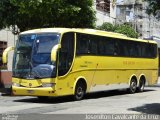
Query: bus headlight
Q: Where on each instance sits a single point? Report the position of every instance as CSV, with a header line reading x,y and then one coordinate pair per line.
x,y
48,84
16,84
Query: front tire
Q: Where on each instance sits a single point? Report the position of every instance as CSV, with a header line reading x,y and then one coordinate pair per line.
x,y
80,91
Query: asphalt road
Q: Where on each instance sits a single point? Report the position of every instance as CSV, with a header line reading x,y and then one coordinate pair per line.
x,y
109,102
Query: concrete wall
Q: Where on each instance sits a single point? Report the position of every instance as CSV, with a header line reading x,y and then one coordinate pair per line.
x,y
147,26
6,35
104,16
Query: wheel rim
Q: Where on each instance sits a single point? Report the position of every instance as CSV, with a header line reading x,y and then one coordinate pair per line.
x,y
133,86
141,85
79,92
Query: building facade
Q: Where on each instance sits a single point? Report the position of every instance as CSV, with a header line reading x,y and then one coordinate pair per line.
x,y
105,11
134,13
7,39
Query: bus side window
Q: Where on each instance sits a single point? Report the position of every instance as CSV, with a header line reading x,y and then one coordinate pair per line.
x,y
101,48
82,44
138,48
93,44
116,48
124,48
106,46
144,50
109,48
151,50
131,50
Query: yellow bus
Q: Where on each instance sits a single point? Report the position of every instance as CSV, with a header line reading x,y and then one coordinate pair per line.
x,y
68,61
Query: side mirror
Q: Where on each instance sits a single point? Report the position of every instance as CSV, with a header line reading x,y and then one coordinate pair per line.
x,y
5,54
54,52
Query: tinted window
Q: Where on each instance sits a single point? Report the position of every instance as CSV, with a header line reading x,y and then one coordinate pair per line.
x,y
87,44
153,50
122,49
95,45
106,46
99,45
132,49
82,44
149,50
66,53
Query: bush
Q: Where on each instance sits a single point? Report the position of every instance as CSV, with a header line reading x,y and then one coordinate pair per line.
x,y
106,27
125,29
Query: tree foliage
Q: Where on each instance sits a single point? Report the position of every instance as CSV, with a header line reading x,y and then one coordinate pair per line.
x,y
29,14
106,26
123,29
154,7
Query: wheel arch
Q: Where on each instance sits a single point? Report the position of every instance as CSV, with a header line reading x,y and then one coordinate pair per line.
x,y
80,79
133,76
142,76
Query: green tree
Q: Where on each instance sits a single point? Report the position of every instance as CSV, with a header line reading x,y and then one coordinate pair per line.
x,y
106,27
125,29
29,14
154,7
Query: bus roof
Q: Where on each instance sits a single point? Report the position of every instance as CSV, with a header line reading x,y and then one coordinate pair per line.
x,y
87,31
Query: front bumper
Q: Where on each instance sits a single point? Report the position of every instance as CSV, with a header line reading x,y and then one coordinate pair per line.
x,y
25,91
33,87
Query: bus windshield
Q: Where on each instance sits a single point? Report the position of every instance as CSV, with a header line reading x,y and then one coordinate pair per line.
x,y
32,56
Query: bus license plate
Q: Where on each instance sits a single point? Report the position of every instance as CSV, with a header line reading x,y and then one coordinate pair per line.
x,y
30,91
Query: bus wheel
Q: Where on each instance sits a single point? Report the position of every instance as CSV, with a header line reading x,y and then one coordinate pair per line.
x,y
133,86
79,91
141,85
